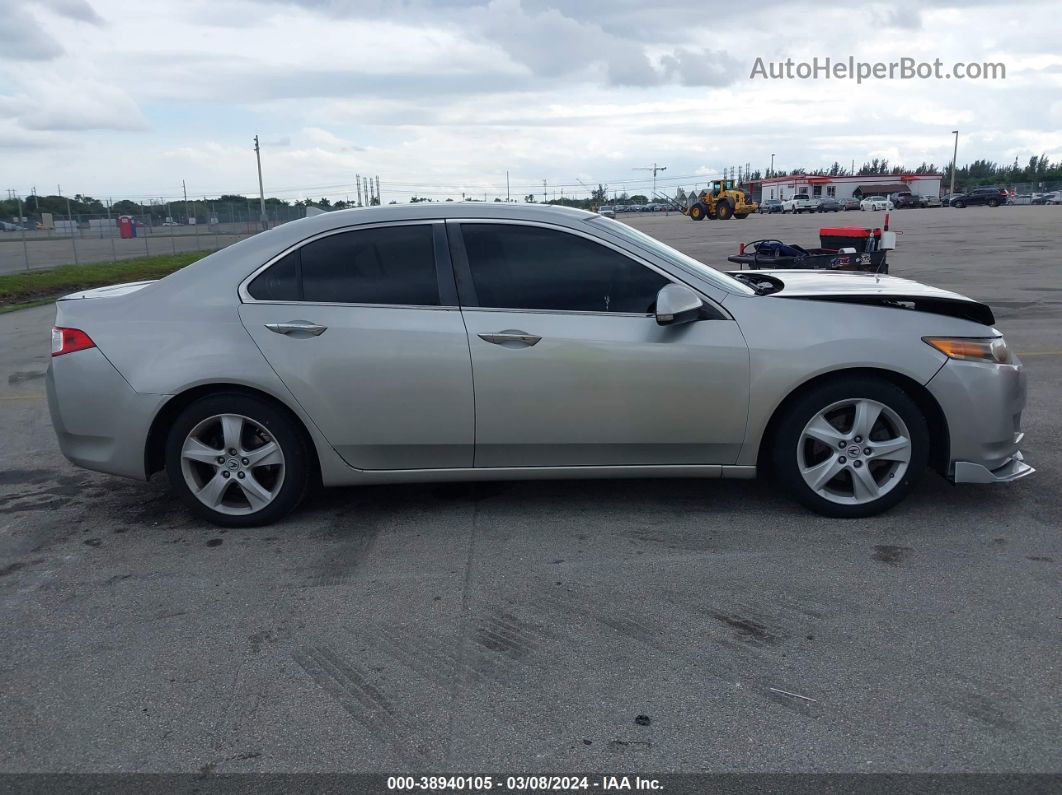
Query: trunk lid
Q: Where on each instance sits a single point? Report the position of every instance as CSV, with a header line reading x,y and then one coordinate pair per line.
x,y
111,291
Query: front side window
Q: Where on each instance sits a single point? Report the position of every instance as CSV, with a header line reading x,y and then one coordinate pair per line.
x,y
384,265
529,267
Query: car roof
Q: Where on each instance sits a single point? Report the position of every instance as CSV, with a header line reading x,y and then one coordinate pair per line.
x,y
436,210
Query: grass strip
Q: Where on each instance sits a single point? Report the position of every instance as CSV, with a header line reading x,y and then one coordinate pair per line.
x,y
20,290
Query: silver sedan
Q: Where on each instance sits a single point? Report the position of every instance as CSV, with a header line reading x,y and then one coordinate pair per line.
x,y
471,342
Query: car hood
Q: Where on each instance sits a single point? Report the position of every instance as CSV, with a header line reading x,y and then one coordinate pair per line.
x,y
874,289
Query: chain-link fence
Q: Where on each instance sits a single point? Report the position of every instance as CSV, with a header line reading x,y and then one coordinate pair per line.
x,y
37,240
1035,188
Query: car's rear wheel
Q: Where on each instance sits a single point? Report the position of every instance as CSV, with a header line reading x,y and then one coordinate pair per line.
x,y
851,448
237,460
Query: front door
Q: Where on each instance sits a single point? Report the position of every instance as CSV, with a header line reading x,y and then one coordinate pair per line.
x,y
570,366
363,328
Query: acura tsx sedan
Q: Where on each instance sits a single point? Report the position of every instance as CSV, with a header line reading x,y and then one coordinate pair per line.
x,y
472,342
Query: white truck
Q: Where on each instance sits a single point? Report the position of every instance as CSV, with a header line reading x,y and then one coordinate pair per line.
x,y
800,203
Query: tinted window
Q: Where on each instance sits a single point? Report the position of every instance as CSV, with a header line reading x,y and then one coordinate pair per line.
x,y
527,267
279,282
387,265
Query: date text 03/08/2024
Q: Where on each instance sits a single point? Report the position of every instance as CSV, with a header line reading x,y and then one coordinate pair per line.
x,y
534,783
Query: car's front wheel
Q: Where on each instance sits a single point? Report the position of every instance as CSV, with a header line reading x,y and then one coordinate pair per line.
x,y
237,460
851,448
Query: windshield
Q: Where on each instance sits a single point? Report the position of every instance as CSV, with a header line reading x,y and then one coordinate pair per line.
x,y
664,251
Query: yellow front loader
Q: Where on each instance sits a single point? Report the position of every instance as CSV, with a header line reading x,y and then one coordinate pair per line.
x,y
722,200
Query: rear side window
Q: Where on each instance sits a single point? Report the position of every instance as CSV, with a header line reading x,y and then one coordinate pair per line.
x,y
280,282
528,267
385,265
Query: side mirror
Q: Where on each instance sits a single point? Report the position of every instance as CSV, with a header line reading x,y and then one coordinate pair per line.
x,y
675,304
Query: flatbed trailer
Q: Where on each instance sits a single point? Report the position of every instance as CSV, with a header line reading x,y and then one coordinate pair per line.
x,y
814,259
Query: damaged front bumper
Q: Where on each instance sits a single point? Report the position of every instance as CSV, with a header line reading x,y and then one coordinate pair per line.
x,y
983,404
1014,469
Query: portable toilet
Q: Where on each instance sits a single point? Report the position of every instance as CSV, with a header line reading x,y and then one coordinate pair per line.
x,y
126,227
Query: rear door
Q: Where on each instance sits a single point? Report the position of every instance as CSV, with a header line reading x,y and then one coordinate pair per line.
x,y
570,365
363,327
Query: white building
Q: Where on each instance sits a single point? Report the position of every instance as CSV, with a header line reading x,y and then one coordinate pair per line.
x,y
845,187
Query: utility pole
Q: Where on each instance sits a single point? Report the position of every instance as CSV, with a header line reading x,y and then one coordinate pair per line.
x,y
22,226
357,182
378,199
184,188
110,233
654,168
70,223
261,190
507,199
954,157
544,200
772,165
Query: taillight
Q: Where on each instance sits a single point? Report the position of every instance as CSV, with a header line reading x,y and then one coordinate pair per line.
x,y
68,340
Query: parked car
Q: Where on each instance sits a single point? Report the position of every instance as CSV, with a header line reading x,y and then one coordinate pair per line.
x,y
989,196
875,203
829,205
346,348
1055,197
931,201
771,206
799,203
1021,199
608,212
851,203
905,200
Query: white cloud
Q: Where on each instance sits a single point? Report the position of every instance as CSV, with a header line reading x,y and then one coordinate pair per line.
x,y
74,108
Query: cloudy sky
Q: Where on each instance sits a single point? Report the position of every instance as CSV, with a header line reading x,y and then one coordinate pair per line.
x,y
119,99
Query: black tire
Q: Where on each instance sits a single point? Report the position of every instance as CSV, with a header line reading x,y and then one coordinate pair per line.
x,y
993,202
724,210
960,205
787,442
740,216
698,211
284,431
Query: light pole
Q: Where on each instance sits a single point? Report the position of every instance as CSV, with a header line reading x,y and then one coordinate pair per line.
x,y
954,156
771,174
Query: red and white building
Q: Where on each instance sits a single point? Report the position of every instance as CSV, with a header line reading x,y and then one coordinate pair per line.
x,y
820,187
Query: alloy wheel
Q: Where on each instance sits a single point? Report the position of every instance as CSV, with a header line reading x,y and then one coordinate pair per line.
x,y
232,464
854,451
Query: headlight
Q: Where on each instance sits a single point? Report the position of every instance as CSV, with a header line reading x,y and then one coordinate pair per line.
x,y
980,349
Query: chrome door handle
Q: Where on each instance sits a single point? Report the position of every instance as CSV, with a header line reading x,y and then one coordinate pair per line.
x,y
297,327
511,336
